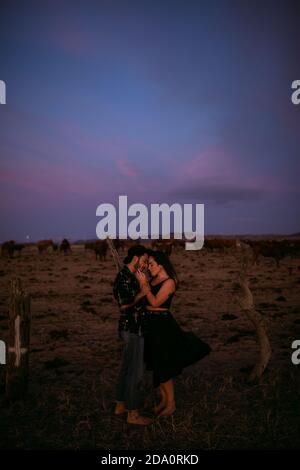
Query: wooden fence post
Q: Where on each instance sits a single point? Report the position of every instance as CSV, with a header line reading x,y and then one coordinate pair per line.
x,y
18,343
247,305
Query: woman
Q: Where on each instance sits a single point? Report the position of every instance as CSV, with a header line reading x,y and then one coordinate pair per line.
x,y
168,349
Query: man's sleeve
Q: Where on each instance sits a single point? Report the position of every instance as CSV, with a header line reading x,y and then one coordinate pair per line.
x,y
123,292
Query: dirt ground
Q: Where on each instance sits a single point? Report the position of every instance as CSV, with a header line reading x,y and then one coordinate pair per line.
x,y
75,355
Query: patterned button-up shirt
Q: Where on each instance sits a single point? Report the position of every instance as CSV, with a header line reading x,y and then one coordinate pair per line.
x,y
125,288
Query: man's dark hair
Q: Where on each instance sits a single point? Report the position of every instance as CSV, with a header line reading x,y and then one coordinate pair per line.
x,y
138,251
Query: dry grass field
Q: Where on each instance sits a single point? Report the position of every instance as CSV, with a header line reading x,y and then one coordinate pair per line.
x,y
75,357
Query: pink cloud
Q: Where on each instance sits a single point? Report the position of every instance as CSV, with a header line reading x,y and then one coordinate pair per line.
x,y
73,41
215,168
125,169
60,159
89,145
211,163
271,183
81,41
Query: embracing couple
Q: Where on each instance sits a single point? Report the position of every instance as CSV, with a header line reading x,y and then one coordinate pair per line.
x,y
144,290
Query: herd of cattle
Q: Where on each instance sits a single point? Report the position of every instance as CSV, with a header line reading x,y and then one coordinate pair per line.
x,y
276,249
8,248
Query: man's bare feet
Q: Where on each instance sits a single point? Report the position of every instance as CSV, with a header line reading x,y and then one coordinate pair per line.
x,y
120,408
135,418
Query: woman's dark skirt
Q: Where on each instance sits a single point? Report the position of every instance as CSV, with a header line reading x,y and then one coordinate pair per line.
x,y
168,348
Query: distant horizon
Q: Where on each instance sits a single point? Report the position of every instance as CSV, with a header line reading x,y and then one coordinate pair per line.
x,y
75,240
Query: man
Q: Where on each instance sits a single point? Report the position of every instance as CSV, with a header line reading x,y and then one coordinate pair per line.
x,y
126,291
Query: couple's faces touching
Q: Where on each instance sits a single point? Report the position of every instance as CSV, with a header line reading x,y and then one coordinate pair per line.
x,y
141,262
153,267
146,261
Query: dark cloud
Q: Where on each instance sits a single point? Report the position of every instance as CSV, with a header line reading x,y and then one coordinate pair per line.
x,y
219,193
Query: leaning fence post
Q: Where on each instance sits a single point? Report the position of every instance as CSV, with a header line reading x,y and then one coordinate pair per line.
x,y
247,305
18,343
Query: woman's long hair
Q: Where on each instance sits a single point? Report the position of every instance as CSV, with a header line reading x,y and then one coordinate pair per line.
x,y
162,259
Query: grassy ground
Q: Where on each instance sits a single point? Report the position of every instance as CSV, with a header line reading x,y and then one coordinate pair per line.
x,y
75,357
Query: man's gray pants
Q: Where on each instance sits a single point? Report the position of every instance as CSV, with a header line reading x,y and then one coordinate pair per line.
x,y
130,380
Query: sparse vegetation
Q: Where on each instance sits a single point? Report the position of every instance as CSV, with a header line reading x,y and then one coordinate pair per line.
x,y
75,355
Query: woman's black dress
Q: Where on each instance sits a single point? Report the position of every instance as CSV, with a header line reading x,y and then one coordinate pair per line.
x,y
168,348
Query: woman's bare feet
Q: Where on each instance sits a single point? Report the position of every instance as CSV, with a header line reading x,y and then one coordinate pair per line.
x,y
134,417
158,408
168,410
120,408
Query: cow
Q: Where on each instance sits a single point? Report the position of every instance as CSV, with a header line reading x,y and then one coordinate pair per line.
x,y
43,245
120,245
129,243
8,248
268,248
99,247
89,246
19,247
163,245
229,243
65,246
212,244
291,247
219,244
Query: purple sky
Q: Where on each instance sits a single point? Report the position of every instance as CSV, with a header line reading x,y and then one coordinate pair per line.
x,y
163,101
